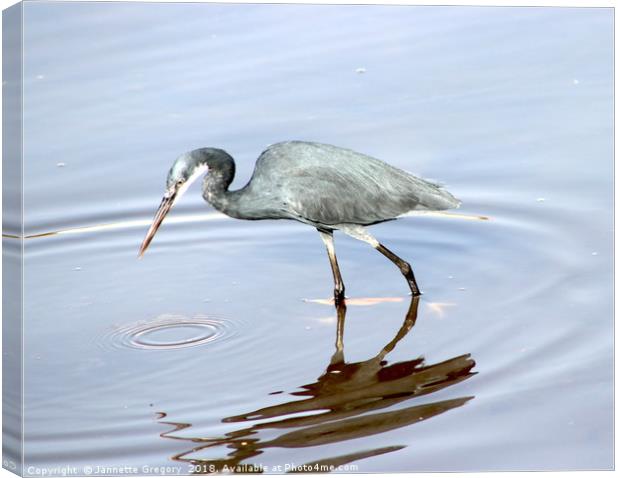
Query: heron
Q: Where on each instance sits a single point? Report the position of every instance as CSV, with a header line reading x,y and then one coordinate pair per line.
x,y
327,187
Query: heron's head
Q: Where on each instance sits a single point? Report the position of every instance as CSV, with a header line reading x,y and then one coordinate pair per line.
x,y
185,170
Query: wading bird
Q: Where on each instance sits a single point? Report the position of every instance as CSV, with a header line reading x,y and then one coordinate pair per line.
x,y
327,187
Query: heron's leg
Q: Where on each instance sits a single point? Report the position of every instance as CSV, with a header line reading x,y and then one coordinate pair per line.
x,y
358,232
404,267
328,239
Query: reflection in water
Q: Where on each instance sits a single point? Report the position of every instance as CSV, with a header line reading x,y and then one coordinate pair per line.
x,y
335,408
193,218
358,300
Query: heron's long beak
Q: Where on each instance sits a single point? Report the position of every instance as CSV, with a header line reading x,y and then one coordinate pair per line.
x,y
166,204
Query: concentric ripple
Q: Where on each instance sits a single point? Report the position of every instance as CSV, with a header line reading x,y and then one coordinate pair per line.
x,y
170,332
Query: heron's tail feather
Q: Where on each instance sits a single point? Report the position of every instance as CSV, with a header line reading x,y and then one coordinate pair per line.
x,y
432,197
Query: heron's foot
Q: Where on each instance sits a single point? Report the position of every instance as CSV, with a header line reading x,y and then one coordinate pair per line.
x,y
407,271
339,296
415,290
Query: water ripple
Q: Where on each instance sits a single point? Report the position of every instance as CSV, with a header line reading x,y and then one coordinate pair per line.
x,y
169,332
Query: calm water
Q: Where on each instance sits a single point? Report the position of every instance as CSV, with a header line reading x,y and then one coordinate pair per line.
x,y
212,351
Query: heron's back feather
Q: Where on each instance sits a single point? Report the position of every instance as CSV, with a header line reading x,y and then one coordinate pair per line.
x,y
328,185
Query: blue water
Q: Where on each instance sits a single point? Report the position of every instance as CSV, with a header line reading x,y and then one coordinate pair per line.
x,y
510,108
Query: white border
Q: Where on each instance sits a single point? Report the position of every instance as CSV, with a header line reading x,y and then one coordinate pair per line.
x,y
531,3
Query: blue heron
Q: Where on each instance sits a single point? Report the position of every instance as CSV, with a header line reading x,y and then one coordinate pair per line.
x,y
327,187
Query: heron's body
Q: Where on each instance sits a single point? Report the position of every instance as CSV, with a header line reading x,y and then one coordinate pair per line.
x,y
326,186
318,184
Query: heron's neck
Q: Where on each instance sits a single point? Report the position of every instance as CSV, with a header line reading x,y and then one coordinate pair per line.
x,y
215,187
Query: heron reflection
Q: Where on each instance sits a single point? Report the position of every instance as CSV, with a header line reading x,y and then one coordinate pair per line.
x,y
341,405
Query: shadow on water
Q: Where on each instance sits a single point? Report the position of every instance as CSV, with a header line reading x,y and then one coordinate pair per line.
x,y
335,408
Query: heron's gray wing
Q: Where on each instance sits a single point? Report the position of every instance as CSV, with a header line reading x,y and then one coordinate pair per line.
x,y
328,185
